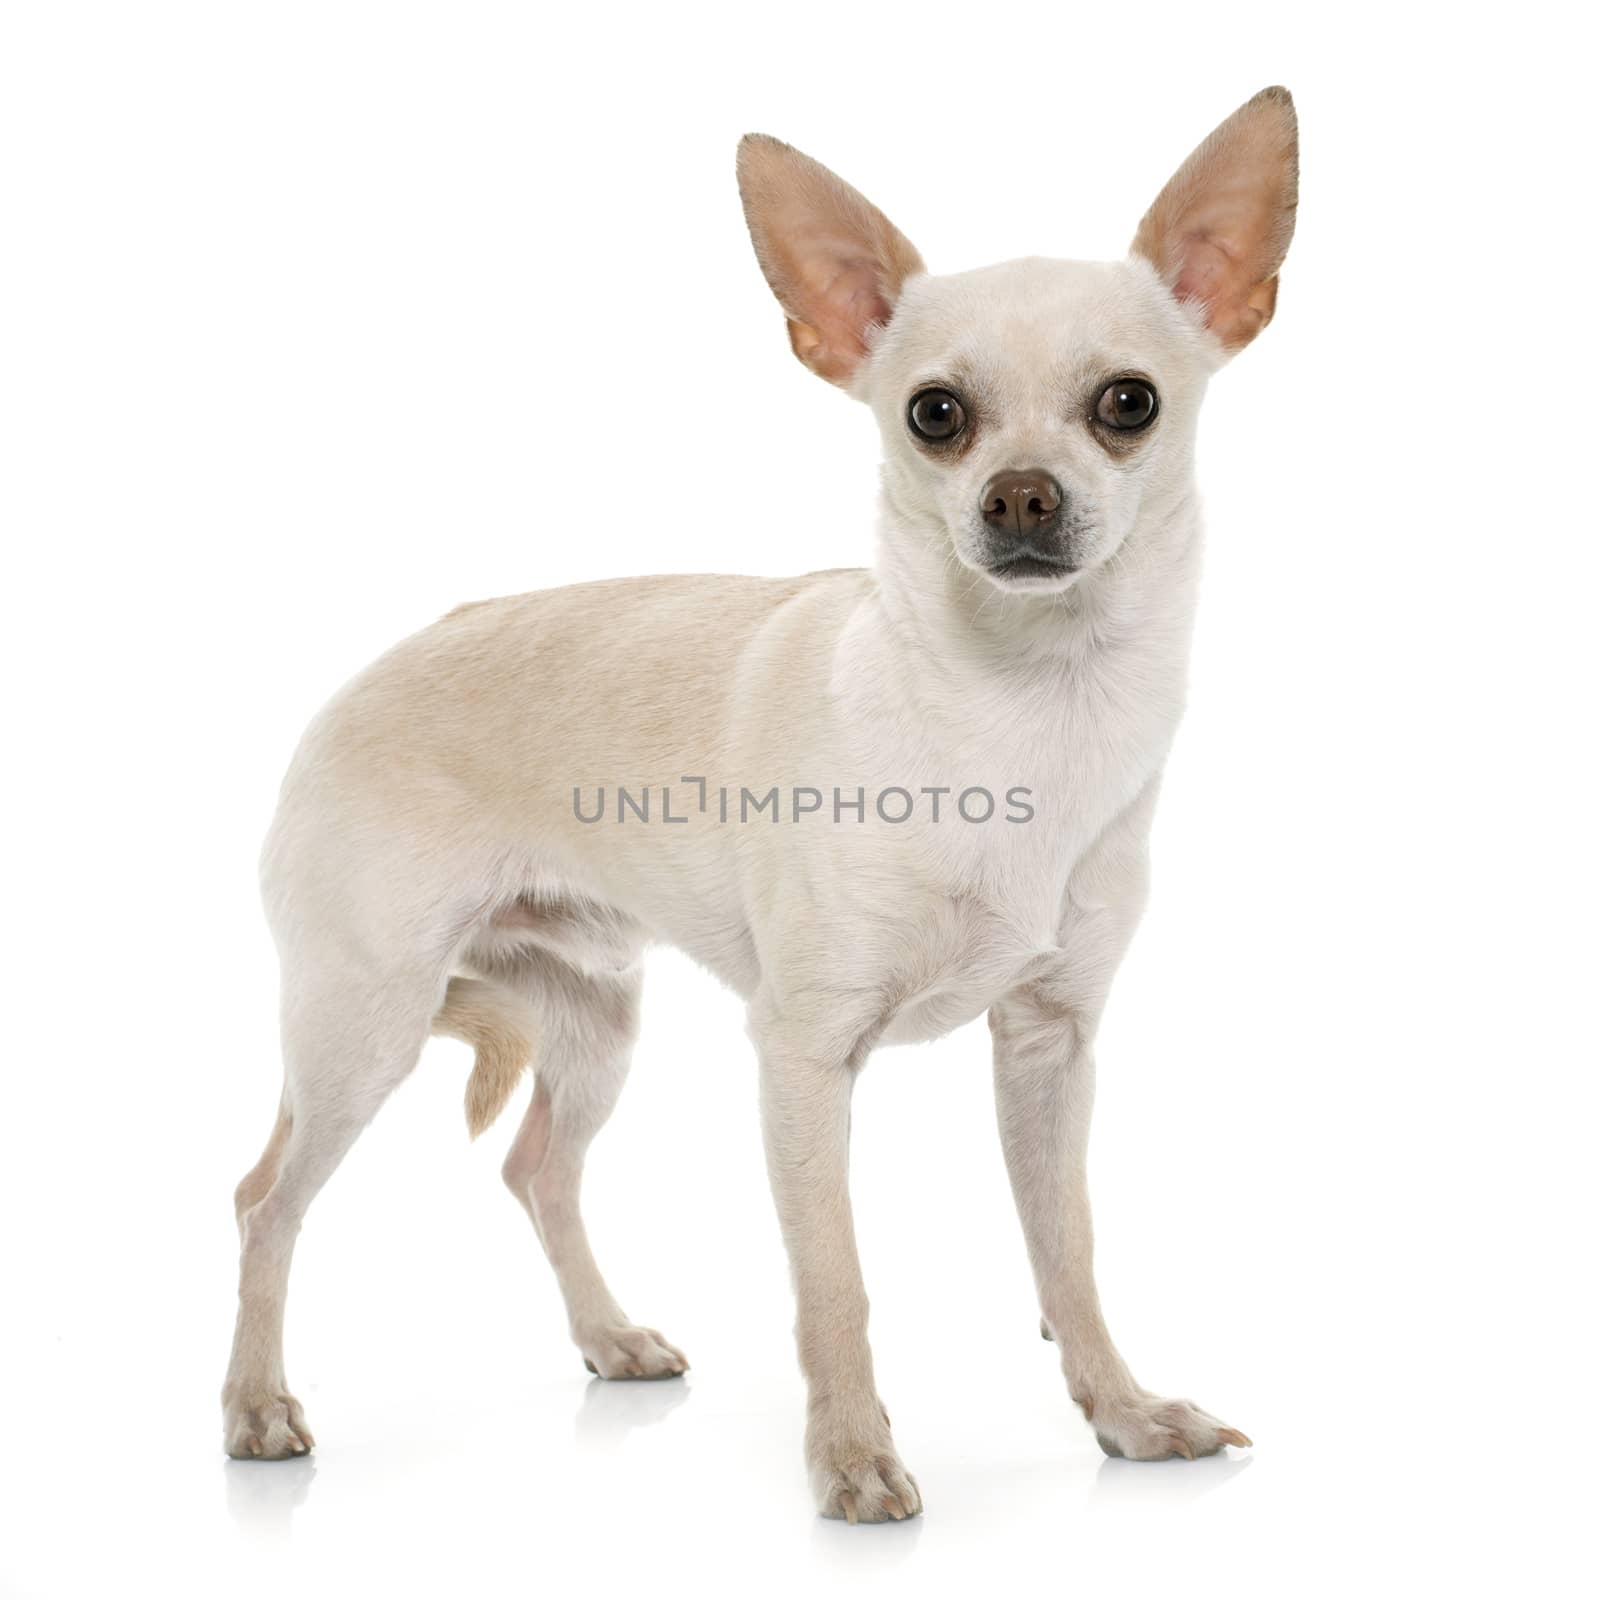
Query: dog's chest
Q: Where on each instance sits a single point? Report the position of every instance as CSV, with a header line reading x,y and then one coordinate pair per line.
x,y
1070,769
970,954
1071,753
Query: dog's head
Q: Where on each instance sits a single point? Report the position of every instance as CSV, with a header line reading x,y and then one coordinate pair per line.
x,y
1030,410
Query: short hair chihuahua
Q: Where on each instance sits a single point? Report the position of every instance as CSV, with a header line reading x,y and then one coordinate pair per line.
x,y
875,803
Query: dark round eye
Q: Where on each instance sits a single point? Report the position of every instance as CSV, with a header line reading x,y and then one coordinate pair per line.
x,y
937,415
1127,403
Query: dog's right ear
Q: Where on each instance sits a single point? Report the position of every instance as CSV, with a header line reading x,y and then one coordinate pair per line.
x,y
834,261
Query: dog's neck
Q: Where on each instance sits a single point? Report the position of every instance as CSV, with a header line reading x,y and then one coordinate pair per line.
x,y
958,622
1074,696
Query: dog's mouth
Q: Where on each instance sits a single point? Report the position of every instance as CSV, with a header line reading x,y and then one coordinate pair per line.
x,y
1027,566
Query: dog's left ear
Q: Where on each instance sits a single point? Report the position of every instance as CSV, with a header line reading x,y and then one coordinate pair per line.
x,y
1220,229
832,258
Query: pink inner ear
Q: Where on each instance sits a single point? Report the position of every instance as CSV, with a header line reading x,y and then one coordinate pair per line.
x,y
1206,270
1236,309
849,302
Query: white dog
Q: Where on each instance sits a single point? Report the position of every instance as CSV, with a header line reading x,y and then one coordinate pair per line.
x,y
875,803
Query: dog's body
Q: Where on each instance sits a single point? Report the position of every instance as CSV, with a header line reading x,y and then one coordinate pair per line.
x,y
528,792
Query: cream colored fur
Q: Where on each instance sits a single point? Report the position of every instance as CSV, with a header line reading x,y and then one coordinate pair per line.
x,y
427,871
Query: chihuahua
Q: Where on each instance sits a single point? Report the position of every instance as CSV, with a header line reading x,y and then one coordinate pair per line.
x,y
875,803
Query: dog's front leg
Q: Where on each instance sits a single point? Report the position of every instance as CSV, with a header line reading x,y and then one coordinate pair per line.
x,y
1044,1089
805,1114
1044,1092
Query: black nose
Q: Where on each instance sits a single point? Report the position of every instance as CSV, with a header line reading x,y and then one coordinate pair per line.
x,y
1019,504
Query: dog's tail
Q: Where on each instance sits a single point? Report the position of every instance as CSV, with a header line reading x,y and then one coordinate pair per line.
x,y
501,1027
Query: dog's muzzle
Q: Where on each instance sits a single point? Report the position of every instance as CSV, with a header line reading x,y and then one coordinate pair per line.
x,y
1024,520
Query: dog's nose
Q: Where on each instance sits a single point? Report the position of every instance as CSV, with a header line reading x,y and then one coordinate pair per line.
x,y
1016,504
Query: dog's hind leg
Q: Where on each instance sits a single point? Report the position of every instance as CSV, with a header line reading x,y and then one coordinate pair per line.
x,y
349,1038
586,1028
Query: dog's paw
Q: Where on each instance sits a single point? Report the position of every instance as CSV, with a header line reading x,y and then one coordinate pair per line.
x,y
1147,1428
627,1352
269,1427
859,1477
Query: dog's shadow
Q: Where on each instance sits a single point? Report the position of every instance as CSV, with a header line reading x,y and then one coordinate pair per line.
x,y
1163,1483
264,1495
611,1411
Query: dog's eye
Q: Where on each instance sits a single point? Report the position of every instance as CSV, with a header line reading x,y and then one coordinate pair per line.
x,y
1127,403
937,415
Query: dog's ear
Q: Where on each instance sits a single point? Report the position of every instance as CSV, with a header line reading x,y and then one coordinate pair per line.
x,y
1220,229
834,261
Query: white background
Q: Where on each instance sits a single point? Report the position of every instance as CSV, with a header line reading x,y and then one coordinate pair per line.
x,y
321,319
